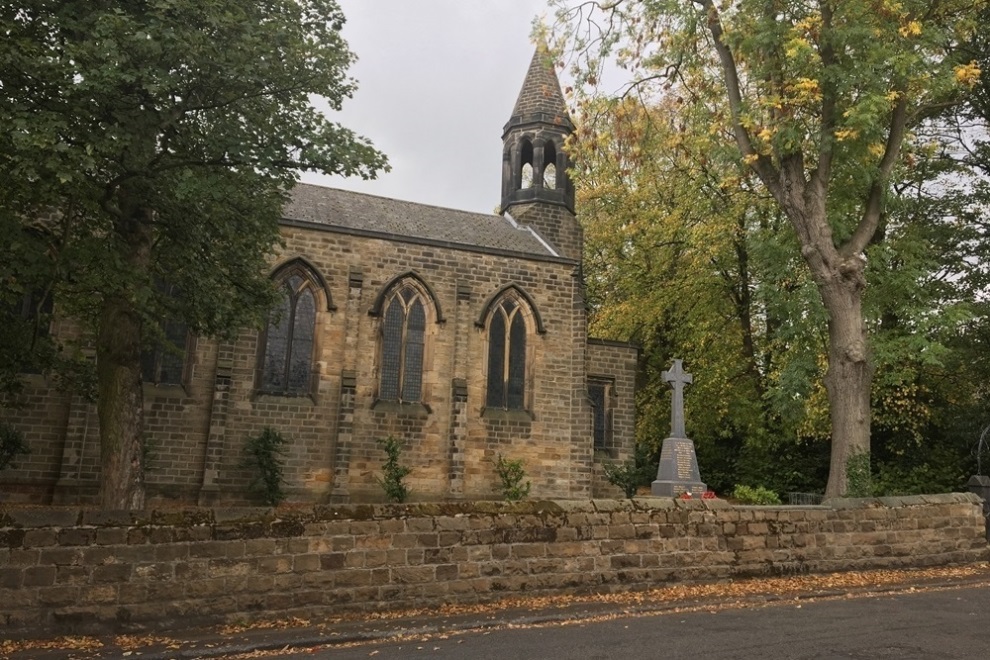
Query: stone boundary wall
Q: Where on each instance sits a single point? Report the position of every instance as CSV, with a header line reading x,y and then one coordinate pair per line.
x,y
70,570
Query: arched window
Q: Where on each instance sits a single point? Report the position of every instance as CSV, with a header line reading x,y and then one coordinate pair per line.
x,y
287,353
163,359
403,332
507,356
549,165
526,160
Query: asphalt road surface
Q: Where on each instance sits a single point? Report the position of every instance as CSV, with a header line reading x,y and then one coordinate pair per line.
x,y
944,624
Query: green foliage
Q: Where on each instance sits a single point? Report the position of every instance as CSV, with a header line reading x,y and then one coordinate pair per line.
x,y
634,472
12,445
393,472
695,247
264,456
757,495
924,479
156,141
859,480
511,474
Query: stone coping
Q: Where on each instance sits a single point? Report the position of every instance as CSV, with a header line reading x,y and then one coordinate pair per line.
x,y
17,517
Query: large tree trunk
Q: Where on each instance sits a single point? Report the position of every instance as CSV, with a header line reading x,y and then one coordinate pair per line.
x,y
850,372
118,367
120,406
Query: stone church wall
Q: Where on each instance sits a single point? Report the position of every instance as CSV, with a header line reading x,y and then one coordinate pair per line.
x,y
67,571
616,363
196,432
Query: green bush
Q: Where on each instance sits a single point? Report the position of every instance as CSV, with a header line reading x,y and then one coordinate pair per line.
x,y
757,495
624,475
12,445
639,470
264,455
393,472
511,474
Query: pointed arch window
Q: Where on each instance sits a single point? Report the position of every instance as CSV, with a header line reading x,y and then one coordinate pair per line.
x,y
549,165
403,333
507,357
287,351
526,161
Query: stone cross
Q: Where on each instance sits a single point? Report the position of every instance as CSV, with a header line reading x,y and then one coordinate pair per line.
x,y
677,378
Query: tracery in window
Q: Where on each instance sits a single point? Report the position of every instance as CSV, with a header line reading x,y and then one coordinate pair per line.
x,y
402,345
287,355
507,356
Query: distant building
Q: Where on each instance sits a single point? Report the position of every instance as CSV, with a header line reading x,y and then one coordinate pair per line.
x,y
462,334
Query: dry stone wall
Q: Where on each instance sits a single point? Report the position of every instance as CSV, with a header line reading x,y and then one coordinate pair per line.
x,y
67,570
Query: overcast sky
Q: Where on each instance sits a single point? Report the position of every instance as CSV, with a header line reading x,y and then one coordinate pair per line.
x,y
437,82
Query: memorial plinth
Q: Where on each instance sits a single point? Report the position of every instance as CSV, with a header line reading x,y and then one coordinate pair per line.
x,y
678,470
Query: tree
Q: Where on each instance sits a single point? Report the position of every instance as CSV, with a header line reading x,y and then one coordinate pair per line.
x,y
819,98
160,138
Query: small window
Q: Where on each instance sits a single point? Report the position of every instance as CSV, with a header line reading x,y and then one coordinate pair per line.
x,y
164,364
549,166
526,159
527,176
403,334
600,391
550,176
287,354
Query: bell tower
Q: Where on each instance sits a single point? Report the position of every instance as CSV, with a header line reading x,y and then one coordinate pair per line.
x,y
536,189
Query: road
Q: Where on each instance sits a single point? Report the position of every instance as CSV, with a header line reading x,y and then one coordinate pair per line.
x,y
947,624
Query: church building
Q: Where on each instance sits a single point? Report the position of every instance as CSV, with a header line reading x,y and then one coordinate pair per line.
x,y
461,335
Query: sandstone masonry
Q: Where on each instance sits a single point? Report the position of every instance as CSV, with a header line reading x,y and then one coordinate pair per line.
x,y
66,570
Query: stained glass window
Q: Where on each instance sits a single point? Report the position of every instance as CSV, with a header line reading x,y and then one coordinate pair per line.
x,y
507,358
289,340
403,335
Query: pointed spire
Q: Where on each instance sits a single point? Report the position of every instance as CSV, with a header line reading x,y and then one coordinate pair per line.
x,y
540,98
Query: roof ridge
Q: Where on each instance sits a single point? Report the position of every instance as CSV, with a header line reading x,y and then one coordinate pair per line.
x,y
393,199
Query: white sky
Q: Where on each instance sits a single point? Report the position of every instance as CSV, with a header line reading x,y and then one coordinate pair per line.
x,y
437,82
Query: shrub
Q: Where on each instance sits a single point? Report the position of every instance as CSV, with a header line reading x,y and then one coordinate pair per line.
x,y
511,474
12,445
264,455
393,472
624,475
758,495
633,473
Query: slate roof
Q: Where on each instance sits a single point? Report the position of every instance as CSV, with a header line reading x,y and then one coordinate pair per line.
x,y
540,97
392,218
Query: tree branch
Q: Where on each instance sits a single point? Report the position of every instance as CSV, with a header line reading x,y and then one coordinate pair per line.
x,y
761,164
871,214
